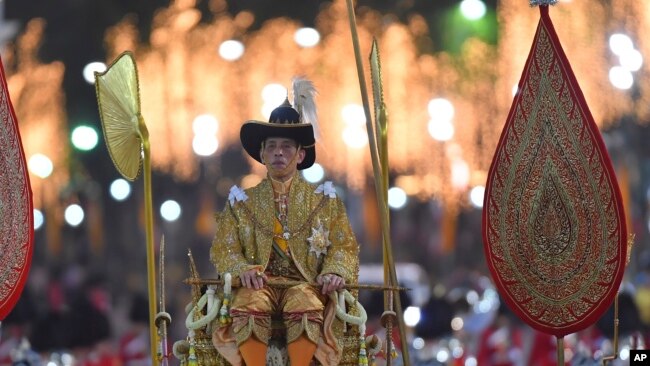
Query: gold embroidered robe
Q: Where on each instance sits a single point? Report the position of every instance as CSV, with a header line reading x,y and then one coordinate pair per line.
x,y
244,240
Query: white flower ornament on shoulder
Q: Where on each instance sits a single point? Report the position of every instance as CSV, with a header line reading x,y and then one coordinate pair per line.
x,y
236,194
327,189
319,240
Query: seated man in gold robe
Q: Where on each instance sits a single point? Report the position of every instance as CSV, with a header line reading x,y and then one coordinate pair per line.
x,y
283,229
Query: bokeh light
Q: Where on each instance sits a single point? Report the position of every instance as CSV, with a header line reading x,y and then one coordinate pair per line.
x,y
205,124
40,165
205,145
353,114
476,195
74,215
39,219
307,37
90,69
441,109
170,210
314,173
620,43
354,134
621,78
273,95
515,89
418,343
120,189
460,174
397,198
84,138
412,316
441,130
625,353
231,50
442,356
355,137
632,60
457,323
473,9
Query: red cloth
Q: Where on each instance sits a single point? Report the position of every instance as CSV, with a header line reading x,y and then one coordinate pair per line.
x,y
17,221
509,345
134,348
554,228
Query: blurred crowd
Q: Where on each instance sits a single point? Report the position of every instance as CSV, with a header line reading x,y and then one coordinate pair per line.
x,y
469,326
78,324
462,323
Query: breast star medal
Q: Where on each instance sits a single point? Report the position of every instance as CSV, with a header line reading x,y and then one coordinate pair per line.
x,y
319,240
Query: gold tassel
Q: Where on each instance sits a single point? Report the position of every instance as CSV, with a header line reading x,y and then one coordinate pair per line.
x,y
363,357
393,351
192,360
224,314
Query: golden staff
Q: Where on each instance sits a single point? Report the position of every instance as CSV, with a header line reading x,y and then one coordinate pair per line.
x,y
606,359
127,140
614,356
380,169
285,284
163,319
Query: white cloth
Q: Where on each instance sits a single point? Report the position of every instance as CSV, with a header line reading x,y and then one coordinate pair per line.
x,y
327,189
236,194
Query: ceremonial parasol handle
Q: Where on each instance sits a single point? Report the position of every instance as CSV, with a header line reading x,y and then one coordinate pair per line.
x,y
616,321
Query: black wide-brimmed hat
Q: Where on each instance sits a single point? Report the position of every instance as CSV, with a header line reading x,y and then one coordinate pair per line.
x,y
285,122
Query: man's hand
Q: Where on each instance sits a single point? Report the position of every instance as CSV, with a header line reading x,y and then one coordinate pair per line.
x,y
253,278
330,282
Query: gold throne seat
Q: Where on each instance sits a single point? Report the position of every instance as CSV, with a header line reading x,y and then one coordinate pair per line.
x,y
207,355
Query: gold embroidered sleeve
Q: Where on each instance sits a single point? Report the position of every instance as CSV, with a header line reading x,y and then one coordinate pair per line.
x,y
343,256
226,252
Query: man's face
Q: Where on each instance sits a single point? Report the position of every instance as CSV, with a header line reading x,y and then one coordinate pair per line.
x,y
281,155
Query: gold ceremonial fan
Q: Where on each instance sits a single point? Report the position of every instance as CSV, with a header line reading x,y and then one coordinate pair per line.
x,y
127,140
119,108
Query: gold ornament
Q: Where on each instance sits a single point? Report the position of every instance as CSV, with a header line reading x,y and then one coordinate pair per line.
x,y
319,240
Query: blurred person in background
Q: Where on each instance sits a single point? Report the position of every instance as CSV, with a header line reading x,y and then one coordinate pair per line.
x,y
641,284
134,344
91,341
510,342
51,333
431,345
15,348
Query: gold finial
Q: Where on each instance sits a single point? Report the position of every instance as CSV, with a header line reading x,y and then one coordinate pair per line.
x,y
194,274
630,242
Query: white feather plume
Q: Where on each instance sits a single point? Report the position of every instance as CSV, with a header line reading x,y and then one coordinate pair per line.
x,y
304,94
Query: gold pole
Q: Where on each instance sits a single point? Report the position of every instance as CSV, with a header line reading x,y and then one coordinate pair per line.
x,y
283,284
381,137
560,351
148,213
380,188
616,322
162,318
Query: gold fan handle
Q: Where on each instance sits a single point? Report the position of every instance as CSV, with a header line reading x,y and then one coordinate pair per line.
x,y
148,213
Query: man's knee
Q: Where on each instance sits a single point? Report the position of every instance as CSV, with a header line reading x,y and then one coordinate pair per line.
x,y
303,298
247,300
245,326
